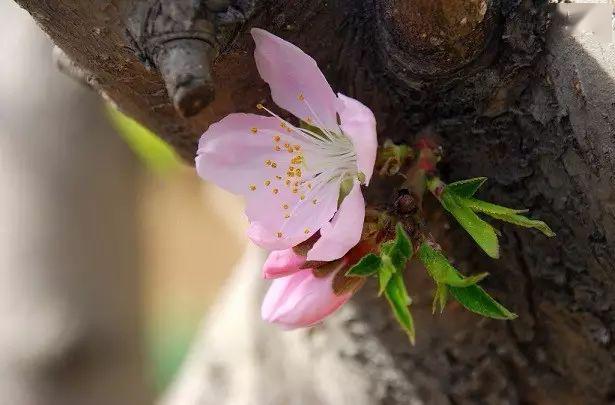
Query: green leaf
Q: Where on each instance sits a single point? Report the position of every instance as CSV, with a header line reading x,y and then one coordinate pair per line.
x,y
387,247
466,188
475,299
526,222
399,300
385,273
482,233
489,208
442,271
155,153
367,266
439,298
463,289
394,255
507,214
402,241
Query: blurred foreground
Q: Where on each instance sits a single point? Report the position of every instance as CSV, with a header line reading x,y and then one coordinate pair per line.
x,y
104,264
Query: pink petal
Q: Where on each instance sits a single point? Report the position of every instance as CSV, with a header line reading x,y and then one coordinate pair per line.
x,y
232,156
344,231
281,263
301,300
359,124
271,230
290,72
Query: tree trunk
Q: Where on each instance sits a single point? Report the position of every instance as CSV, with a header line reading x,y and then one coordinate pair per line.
x,y
510,97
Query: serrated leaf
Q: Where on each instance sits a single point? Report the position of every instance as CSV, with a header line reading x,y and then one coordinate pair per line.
x,y
398,298
526,222
482,233
470,296
386,247
440,297
466,188
440,269
489,208
475,299
367,266
394,255
402,241
385,273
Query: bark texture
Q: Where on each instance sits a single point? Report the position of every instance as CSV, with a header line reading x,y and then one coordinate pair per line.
x,y
534,111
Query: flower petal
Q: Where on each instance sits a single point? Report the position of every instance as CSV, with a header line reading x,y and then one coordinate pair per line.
x,y
233,150
359,124
271,229
344,231
291,75
301,300
281,263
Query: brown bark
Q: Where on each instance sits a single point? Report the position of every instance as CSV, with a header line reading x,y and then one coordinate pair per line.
x,y
534,115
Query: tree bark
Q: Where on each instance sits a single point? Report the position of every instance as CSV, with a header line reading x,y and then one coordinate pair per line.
x,y
534,111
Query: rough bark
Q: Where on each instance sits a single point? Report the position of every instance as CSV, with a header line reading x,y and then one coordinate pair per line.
x,y
533,114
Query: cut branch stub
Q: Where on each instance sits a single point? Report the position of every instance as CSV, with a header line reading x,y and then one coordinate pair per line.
x,y
179,38
437,37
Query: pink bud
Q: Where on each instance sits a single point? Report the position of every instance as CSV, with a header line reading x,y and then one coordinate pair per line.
x,y
281,263
301,299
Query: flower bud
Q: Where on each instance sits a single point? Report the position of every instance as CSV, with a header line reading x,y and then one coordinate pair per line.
x,y
281,263
302,299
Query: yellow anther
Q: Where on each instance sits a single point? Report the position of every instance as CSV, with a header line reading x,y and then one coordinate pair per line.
x,y
267,162
298,172
297,160
278,177
286,216
278,234
309,186
267,183
285,206
254,130
275,191
277,138
295,191
306,231
300,97
287,182
314,201
274,165
277,148
296,147
259,106
302,197
252,187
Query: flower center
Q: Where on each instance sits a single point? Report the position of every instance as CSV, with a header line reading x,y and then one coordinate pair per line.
x,y
310,157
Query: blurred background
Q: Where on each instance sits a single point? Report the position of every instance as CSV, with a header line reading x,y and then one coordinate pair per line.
x,y
96,214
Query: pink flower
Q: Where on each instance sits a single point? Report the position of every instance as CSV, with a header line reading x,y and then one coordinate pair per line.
x,y
293,178
298,298
281,263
